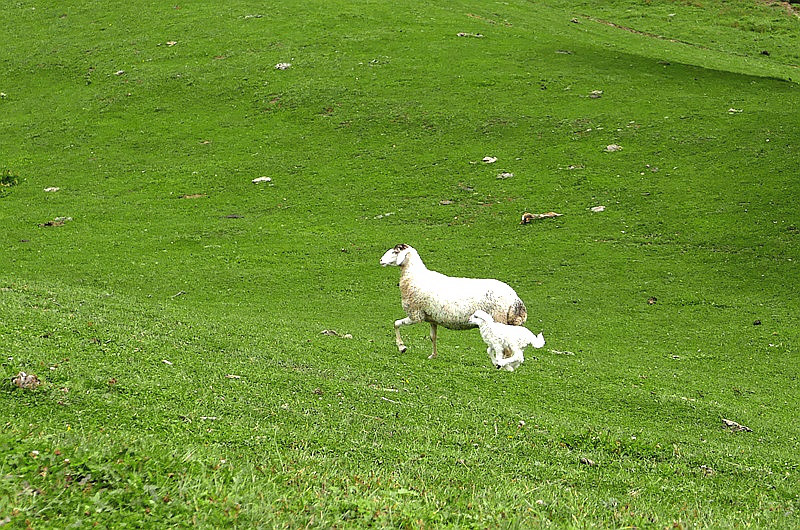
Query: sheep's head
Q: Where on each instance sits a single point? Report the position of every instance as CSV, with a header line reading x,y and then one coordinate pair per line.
x,y
479,317
396,256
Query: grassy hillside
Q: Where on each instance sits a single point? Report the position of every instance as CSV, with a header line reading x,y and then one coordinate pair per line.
x,y
172,308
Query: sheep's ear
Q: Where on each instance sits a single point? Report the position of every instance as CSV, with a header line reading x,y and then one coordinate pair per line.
x,y
402,254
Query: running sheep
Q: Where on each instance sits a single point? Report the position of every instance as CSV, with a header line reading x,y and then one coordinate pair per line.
x,y
429,296
506,343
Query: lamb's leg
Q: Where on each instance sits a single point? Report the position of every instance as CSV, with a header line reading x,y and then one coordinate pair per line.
x,y
433,339
490,353
497,358
398,339
499,352
515,360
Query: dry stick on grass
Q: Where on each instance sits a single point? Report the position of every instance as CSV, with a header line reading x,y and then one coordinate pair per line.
x,y
528,217
732,425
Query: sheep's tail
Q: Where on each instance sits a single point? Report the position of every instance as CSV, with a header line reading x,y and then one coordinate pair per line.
x,y
517,315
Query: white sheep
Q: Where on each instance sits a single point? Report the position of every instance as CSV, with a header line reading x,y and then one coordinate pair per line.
x,y
428,296
506,343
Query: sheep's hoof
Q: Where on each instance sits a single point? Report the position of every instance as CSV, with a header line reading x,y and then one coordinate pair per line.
x,y
402,348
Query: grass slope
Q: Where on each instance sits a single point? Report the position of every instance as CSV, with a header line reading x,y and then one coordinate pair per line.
x,y
153,119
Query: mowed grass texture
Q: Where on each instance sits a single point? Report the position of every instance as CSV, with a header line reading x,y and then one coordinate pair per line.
x,y
175,315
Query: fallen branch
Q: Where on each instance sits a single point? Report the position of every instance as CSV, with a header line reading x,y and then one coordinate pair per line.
x,y
528,217
736,427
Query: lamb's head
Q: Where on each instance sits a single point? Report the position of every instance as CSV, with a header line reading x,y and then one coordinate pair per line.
x,y
479,317
396,256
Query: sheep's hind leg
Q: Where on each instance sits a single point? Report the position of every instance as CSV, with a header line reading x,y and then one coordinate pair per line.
x,y
398,339
433,339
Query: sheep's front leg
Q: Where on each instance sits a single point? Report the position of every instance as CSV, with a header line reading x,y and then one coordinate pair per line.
x,y
398,339
433,339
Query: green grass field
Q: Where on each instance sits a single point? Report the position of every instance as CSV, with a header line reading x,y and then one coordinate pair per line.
x,y
174,315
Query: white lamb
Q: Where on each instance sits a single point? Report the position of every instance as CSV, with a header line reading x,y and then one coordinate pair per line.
x,y
428,296
506,343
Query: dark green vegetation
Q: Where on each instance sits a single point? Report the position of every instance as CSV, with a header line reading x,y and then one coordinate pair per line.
x,y
153,118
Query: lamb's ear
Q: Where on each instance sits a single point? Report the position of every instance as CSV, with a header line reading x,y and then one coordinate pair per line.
x,y
402,254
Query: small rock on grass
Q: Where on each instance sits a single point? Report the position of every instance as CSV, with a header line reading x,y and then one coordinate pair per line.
x,y
52,189
283,66
261,179
612,148
598,209
587,462
596,94
489,159
505,175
